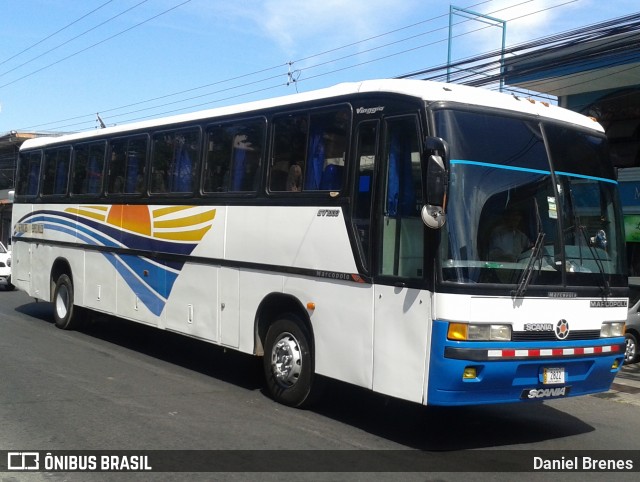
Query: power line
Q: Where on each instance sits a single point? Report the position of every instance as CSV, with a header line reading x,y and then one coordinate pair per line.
x,y
97,43
272,77
376,48
68,41
245,75
55,33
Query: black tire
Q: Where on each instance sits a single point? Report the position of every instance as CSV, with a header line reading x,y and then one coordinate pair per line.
x,y
288,362
631,352
65,313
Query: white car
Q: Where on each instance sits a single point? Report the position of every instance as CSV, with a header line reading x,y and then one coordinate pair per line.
x,y
5,267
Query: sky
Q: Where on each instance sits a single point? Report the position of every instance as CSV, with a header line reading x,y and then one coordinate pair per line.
x,y
64,61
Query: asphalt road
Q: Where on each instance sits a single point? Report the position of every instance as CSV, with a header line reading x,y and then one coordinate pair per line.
x,y
121,386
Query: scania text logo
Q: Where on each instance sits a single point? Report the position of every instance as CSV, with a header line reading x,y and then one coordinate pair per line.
x,y
535,393
538,327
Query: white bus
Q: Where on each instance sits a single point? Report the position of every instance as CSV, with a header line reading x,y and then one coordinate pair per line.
x,y
351,233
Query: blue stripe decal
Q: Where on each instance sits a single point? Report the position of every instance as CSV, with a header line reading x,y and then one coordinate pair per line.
x,y
151,300
154,290
75,226
526,169
154,296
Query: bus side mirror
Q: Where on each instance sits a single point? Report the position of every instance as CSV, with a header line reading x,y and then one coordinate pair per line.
x,y
435,168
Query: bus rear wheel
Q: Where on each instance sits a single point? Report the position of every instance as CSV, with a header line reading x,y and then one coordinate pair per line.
x,y
65,313
287,362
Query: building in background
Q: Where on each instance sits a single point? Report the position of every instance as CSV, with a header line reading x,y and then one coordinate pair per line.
x,y
9,146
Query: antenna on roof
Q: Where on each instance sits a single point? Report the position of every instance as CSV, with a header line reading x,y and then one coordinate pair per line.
x,y
99,119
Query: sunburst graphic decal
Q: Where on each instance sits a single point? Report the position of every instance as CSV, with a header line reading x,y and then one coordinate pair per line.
x,y
173,230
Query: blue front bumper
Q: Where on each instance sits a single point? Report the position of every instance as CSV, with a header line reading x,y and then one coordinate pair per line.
x,y
512,371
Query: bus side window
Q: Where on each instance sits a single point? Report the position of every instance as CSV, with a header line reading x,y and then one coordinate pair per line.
x,y
29,173
216,173
247,147
136,158
365,159
56,171
234,154
88,168
127,166
402,251
327,150
289,153
117,165
174,157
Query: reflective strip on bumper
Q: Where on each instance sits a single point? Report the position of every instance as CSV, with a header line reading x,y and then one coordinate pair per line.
x,y
530,353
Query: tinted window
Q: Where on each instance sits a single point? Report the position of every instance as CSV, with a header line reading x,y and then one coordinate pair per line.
x,y
127,165
56,171
234,153
175,157
88,168
309,151
29,173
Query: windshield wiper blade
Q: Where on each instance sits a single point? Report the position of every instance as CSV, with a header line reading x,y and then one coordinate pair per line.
x,y
525,278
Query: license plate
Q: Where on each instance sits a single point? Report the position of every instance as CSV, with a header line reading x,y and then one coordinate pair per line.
x,y
552,376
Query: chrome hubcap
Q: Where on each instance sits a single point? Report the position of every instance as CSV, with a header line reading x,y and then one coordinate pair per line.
x,y
62,302
286,360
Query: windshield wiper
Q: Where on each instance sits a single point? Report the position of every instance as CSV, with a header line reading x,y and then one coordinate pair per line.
x,y
525,278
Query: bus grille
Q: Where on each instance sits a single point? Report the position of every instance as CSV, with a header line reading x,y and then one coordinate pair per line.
x,y
551,336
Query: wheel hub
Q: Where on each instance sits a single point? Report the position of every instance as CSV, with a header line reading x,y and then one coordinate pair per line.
x,y
62,302
286,360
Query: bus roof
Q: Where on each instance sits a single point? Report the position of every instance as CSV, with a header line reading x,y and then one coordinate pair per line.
x,y
426,90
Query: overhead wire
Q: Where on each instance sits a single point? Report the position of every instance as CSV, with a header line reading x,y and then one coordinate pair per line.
x,y
276,76
67,42
485,74
237,77
55,33
96,44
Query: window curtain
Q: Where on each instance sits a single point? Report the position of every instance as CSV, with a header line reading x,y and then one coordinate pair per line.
x,y
238,170
60,186
181,175
315,163
132,172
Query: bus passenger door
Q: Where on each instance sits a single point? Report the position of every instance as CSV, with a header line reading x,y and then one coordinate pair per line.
x,y
402,306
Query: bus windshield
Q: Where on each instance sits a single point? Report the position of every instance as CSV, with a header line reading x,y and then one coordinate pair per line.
x,y
528,200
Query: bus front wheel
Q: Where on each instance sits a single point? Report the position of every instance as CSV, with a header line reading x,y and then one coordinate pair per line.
x,y
288,365
65,313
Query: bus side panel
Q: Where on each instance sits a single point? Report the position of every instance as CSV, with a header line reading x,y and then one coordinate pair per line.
x,y
229,290
21,265
100,281
254,288
342,323
51,223
21,250
401,342
192,307
299,237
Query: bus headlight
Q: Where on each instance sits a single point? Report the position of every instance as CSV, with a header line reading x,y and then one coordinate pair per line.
x,y
478,332
611,329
